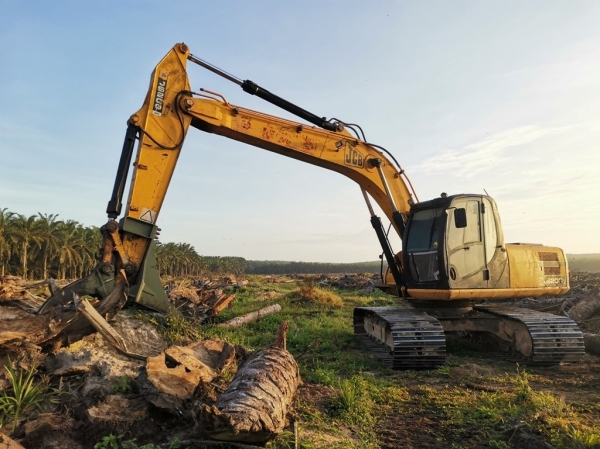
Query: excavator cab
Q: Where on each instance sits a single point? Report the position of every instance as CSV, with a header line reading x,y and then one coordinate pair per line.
x,y
454,242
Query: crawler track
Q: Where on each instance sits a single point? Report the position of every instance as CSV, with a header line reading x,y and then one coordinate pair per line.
x,y
555,338
406,338
403,338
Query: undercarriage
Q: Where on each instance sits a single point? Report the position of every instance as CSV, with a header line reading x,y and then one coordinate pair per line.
x,y
414,337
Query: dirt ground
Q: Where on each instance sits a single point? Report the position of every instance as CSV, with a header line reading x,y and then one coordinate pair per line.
x,y
102,400
417,424
578,383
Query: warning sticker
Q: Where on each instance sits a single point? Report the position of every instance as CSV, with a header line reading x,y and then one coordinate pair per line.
x,y
148,215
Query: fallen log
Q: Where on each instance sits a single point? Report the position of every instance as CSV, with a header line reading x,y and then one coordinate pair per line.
x,y
252,316
586,308
100,324
253,409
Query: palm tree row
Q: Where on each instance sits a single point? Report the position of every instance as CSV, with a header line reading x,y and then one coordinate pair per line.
x,y
181,259
41,246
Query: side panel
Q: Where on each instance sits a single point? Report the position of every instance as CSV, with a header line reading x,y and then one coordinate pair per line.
x,y
537,266
497,259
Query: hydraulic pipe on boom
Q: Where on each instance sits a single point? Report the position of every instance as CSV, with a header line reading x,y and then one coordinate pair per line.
x,y
254,89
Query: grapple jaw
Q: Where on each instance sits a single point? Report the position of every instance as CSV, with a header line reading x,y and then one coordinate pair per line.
x,y
96,284
144,288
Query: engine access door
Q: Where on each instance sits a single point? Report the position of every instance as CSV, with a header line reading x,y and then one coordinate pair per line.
x,y
465,247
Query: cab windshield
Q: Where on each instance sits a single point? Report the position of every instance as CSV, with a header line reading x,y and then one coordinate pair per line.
x,y
423,240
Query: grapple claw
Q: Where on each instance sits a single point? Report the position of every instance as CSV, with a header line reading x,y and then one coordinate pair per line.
x,y
97,284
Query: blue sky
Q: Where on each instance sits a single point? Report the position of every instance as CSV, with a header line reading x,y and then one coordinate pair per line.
x,y
497,95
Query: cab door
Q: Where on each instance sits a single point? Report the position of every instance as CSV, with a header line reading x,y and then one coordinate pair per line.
x,y
465,246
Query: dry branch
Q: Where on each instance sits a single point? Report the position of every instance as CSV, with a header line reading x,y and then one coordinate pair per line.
x,y
252,316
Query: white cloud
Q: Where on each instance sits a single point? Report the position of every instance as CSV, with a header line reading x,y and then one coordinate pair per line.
x,y
486,154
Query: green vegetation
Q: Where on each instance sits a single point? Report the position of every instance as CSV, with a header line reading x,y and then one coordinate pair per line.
x,y
122,385
24,395
181,259
116,442
41,246
360,396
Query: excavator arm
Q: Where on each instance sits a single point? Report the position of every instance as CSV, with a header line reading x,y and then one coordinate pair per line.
x,y
170,107
159,127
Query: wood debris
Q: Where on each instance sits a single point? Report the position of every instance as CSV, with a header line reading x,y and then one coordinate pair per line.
x,y
204,298
11,287
585,308
179,370
117,408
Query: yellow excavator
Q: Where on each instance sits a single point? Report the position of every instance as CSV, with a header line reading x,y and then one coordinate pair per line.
x,y
454,266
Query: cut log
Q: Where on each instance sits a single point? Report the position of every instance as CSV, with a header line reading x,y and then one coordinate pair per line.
x,y
586,308
252,316
253,409
100,324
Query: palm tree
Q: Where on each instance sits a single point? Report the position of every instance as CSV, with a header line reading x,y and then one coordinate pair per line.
x,y
91,239
48,231
25,234
5,248
68,245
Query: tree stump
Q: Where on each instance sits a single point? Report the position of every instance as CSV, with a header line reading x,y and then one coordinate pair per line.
x,y
253,409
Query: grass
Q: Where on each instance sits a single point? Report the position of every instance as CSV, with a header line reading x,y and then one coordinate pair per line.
x,y
308,291
172,326
24,395
466,403
350,400
363,391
